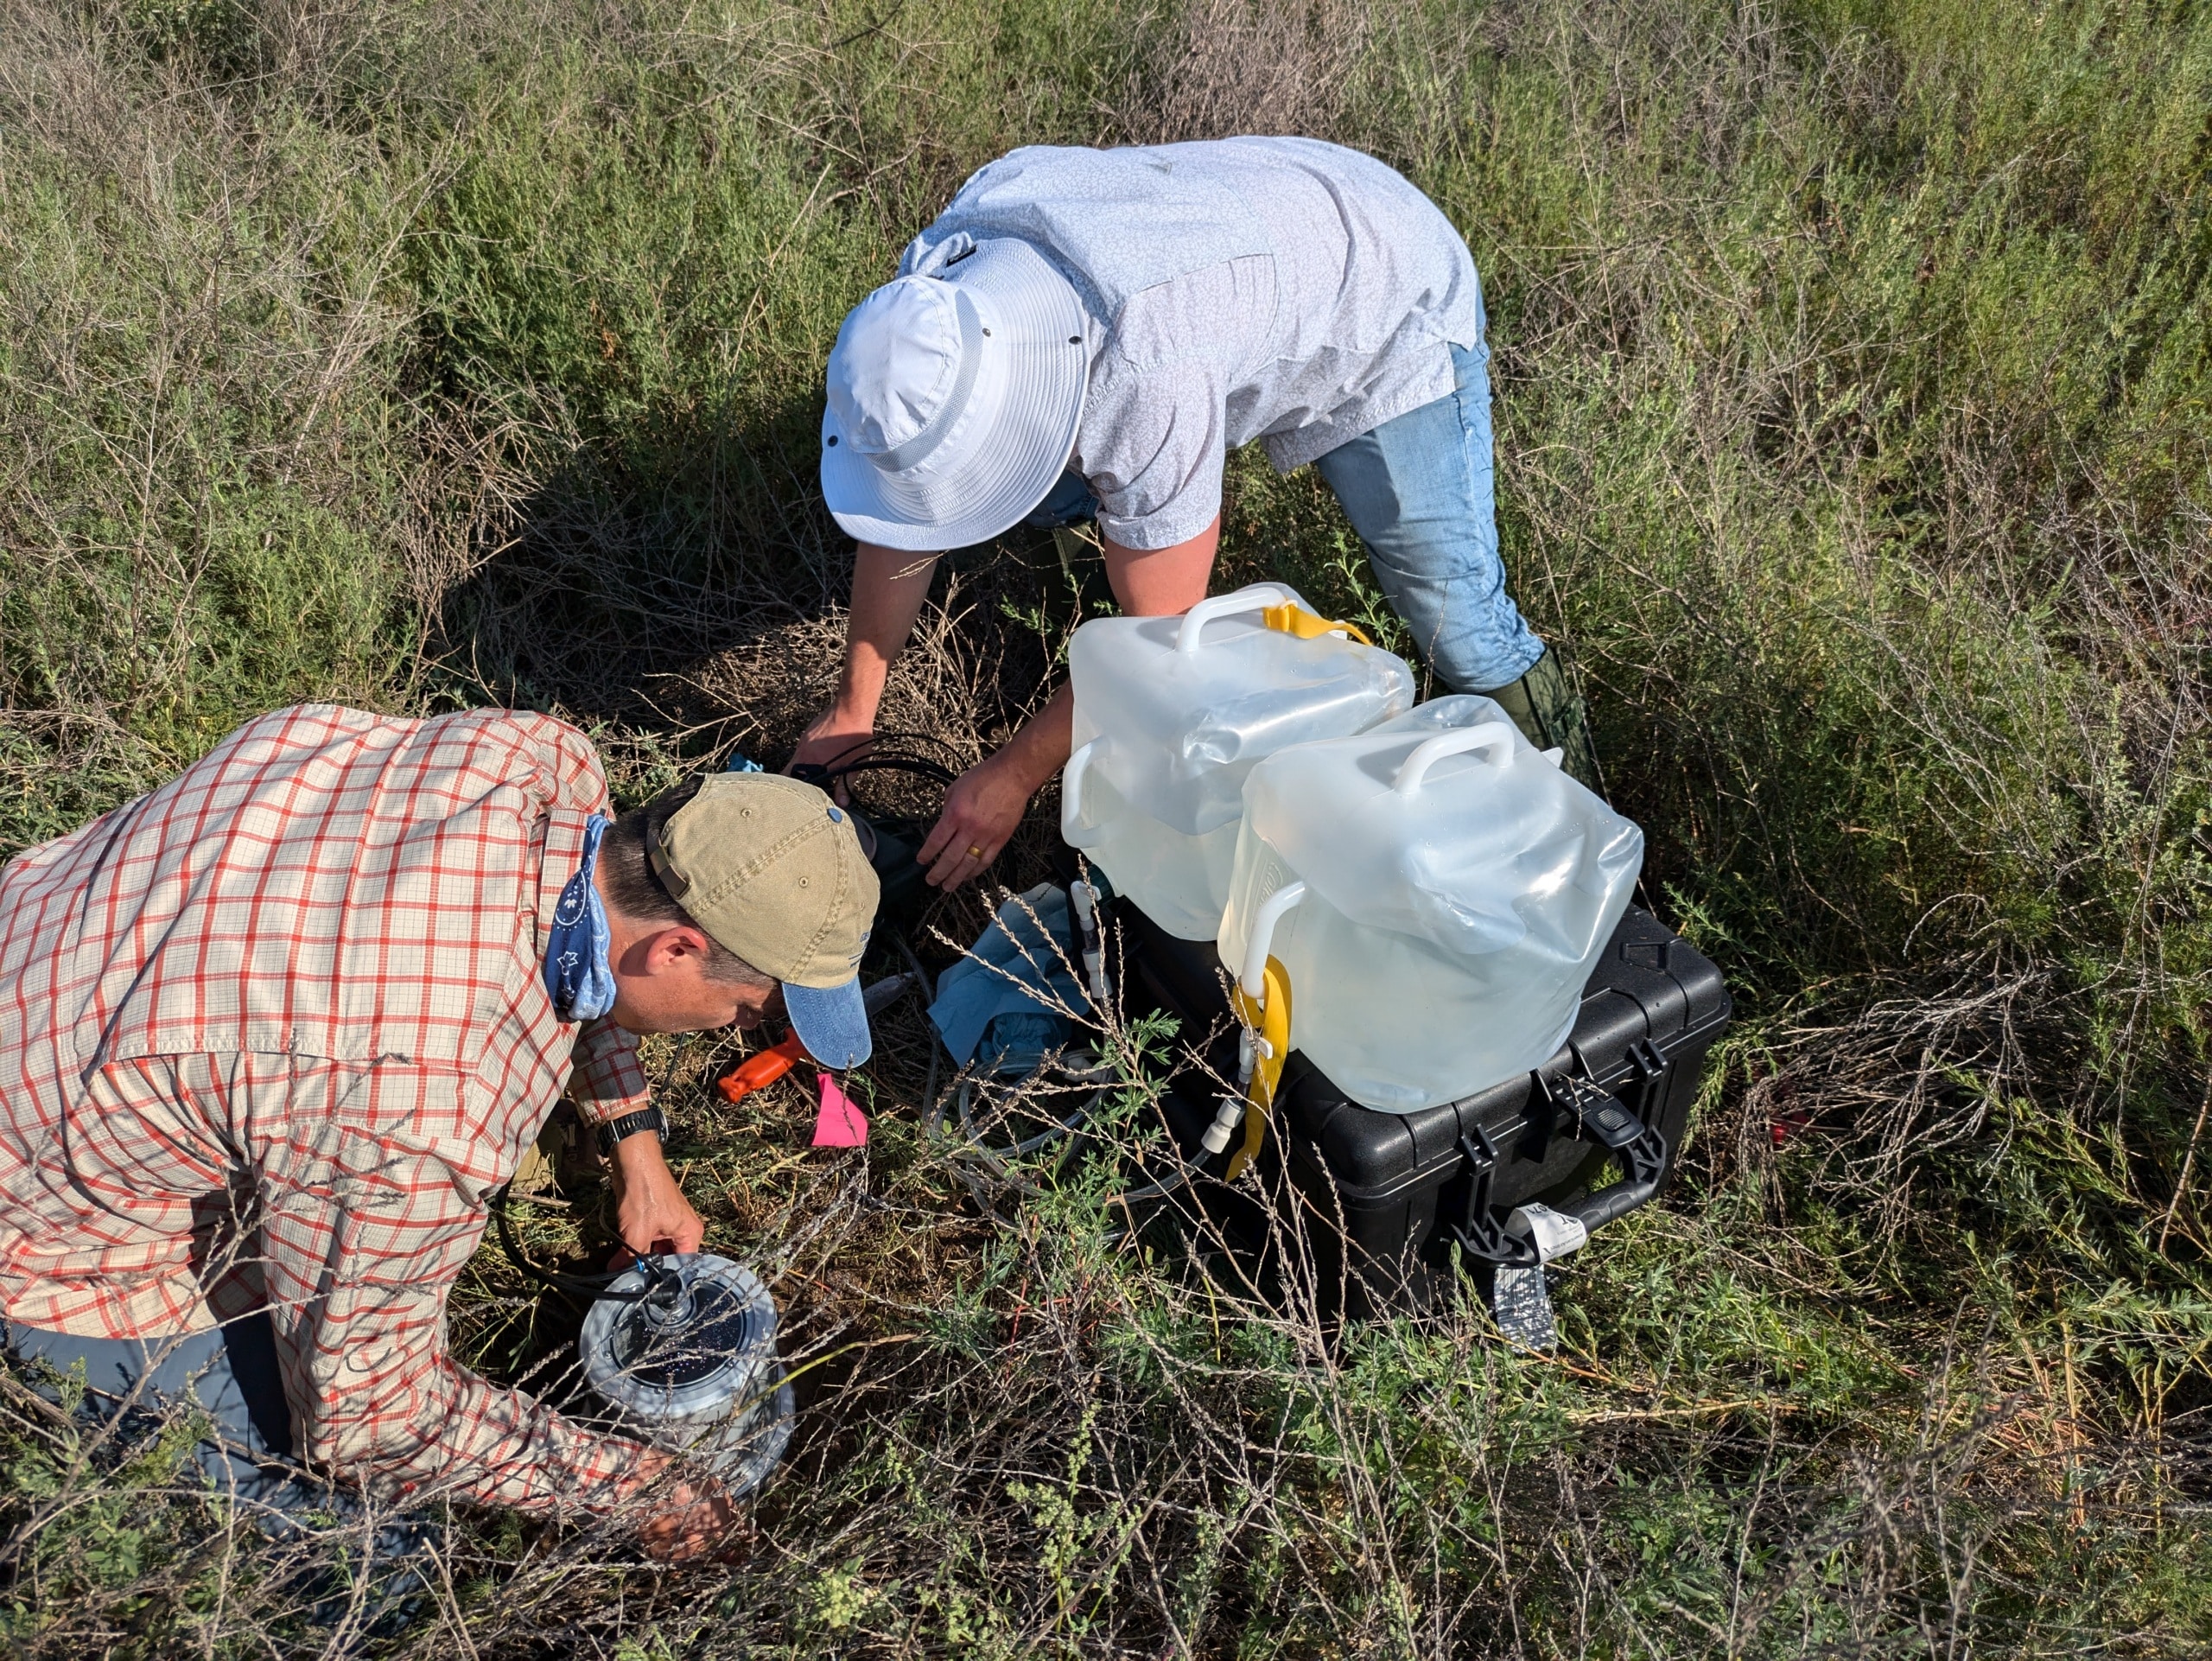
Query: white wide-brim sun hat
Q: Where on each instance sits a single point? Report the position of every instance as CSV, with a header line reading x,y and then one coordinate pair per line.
x,y
954,400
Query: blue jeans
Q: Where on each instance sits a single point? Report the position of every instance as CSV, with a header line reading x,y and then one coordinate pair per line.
x,y
1419,491
231,1375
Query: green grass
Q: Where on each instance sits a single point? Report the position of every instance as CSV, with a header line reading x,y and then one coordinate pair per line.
x,y
1854,400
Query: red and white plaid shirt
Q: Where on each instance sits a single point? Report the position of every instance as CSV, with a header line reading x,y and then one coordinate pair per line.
x,y
276,1032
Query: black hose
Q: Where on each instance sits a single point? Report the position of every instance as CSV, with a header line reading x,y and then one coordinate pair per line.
x,y
882,753
661,1284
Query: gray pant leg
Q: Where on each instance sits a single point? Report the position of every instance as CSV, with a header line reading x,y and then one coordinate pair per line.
x,y
229,1374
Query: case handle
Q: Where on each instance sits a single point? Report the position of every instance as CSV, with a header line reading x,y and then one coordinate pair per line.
x,y
1258,597
1484,735
1486,1232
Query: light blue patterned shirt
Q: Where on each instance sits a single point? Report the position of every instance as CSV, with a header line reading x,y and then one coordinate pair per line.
x,y
1281,289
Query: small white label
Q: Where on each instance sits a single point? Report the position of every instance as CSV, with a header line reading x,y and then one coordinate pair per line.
x,y
1555,1233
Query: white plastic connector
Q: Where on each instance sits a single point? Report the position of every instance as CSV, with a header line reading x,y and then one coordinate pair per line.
x,y
1225,1125
1094,958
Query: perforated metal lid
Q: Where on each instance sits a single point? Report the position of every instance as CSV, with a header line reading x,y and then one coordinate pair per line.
x,y
703,1346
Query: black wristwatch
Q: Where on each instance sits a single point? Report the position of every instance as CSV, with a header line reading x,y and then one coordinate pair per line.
x,y
630,1124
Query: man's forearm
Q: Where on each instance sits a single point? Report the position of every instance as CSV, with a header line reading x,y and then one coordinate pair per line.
x,y
1040,748
889,587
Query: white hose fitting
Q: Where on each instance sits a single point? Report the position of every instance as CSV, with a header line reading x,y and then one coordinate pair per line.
x,y
1225,1125
1085,900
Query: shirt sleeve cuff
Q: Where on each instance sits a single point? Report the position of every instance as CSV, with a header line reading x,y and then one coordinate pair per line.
x,y
1177,523
609,1081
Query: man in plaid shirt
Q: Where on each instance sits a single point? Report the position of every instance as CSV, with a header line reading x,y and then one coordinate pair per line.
x,y
271,1037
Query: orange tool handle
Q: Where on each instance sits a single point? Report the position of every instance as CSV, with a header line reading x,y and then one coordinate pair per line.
x,y
763,1069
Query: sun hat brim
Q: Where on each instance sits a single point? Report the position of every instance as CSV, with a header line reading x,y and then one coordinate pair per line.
x,y
1004,458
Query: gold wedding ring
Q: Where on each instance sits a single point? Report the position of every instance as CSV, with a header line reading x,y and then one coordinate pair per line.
x,y
974,852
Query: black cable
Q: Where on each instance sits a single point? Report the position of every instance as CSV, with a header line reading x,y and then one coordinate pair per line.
x,y
920,767
882,753
884,740
661,1284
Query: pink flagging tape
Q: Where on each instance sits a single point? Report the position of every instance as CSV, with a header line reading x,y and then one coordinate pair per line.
x,y
841,1123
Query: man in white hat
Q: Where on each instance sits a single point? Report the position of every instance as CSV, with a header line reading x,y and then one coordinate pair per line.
x,y
1086,333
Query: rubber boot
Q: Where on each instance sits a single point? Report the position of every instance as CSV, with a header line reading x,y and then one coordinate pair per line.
x,y
1548,711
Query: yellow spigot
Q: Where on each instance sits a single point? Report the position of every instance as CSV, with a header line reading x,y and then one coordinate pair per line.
x,y
1267,1029
1294,620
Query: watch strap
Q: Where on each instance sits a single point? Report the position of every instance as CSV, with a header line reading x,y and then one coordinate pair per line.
x,y
631,1125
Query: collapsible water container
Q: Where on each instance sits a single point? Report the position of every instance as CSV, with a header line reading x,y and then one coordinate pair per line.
x,y
1172,712
1436,892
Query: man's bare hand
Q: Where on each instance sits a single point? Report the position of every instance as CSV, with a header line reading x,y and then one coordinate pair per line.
x,y
982,811
693,1520
836,734
651,1213
985,805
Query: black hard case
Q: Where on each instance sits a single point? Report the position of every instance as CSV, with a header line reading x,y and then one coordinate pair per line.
x,y
1381,1192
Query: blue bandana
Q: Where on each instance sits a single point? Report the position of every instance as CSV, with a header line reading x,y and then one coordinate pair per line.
x,y
577,974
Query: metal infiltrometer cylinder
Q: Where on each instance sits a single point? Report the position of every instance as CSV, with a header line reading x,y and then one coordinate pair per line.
x,y
691,1365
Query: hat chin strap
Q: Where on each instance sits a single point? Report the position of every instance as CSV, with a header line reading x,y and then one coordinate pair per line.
x,y
904,458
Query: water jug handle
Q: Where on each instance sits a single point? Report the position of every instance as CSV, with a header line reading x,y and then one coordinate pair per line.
x,y
1253,980
1258,597
1429,752
1071,784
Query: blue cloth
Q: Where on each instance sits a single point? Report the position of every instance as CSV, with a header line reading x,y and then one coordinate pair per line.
x,y
577,974
1009,996
1418,490
1072,501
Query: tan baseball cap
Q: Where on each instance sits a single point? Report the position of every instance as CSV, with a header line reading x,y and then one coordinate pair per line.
x,y
772,869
